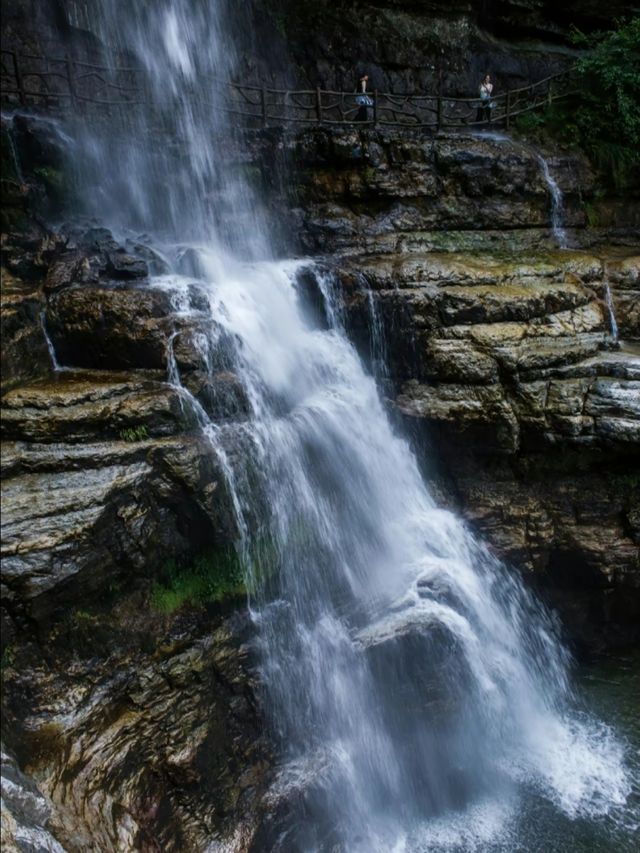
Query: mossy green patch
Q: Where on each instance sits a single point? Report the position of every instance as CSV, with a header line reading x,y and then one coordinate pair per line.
x,y
132,434
7,658
51,178
212,577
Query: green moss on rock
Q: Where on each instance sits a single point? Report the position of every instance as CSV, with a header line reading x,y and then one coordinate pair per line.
x,y
214,576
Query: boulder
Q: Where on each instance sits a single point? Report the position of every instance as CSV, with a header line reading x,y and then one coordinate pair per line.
x,y
26,812
110,328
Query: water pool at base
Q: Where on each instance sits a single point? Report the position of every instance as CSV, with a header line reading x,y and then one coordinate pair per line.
x,y
531,823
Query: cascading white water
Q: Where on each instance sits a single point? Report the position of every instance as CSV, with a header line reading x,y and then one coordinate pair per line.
x,y
608,297
407,675
555,193
409,681
557,210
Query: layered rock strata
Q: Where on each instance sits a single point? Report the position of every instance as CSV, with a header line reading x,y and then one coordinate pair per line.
x,y
524,409
500,360
387,191
139,726
513,363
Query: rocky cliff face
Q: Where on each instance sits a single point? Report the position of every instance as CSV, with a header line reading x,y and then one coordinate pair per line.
x,y
417,46
525,417
140,731
141,727
137,719
501,351
404,45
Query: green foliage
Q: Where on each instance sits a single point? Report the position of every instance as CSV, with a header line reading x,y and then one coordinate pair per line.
x,y
530,124
604,115
591,214
281,24
132,434
7,658
84,630
51,178
212,577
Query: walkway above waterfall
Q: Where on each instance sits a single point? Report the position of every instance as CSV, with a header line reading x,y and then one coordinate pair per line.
x,y
54,85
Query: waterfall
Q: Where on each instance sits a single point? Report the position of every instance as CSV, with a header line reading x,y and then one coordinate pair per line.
x,y
555,193
409,681
55,364
557,210
407,675
608,298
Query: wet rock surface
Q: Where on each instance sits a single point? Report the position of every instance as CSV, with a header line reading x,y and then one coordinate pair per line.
x,y
141,730
26,812
525,409
386,191
138,730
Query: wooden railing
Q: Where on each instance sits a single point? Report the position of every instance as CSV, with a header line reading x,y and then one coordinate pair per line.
x,y
44,83
47,84
277,106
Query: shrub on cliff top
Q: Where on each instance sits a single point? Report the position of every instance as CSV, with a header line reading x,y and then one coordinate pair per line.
x,y
604,115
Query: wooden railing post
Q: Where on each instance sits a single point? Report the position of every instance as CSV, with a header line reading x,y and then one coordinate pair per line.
x,y
507,116
375,108
263,102
19,84
70,81
319,105
549,98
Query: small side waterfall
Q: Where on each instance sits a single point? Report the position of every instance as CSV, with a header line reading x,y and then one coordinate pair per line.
x,y
408,679
555,193
557,209
608,298
55,364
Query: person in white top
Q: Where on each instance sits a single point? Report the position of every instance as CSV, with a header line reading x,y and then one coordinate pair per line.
x,y
363,100
486,104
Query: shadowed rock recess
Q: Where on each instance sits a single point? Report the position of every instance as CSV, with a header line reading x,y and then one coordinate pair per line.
x,y
130,700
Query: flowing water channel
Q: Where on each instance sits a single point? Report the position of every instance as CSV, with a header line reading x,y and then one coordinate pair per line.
x,y
557,209
418,696
557,214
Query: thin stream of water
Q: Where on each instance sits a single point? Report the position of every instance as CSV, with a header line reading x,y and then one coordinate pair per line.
x,y
557,208
555,193
55,364
613,325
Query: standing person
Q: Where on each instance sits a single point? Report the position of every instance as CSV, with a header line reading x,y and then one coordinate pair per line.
x,y
486,104
363,100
